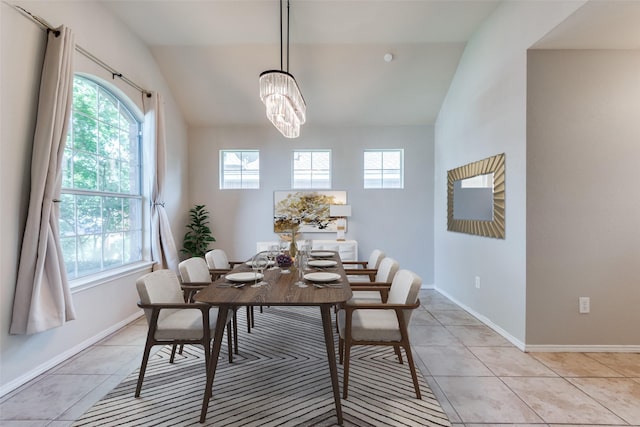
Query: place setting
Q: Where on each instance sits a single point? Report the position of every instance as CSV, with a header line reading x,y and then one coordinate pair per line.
x,y
238,280
321,279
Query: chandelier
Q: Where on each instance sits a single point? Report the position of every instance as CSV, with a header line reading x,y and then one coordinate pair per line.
x,y
281,95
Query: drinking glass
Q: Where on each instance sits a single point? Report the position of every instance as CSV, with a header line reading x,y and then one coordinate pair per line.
x,y
258,264
301,262
272,253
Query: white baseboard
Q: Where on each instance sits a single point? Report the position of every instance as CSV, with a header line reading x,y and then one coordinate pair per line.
x,y
428,286
41,369
583,348
513,340
544,347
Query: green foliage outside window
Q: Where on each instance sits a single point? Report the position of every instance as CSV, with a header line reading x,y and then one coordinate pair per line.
x,y
101,209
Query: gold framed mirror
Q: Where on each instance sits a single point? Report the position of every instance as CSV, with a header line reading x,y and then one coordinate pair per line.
x,y
476,198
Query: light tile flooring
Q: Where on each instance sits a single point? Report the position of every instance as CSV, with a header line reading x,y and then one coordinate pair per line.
x,y
479,378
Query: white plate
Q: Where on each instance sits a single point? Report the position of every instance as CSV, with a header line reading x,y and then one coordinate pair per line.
x,y
246,276
321,254
322,277
322,263
269,263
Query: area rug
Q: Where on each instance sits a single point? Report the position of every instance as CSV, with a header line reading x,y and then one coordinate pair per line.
x,y
280,378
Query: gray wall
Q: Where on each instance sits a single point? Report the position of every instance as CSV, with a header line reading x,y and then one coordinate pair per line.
x,y
583,201
110,302
484,114
397,221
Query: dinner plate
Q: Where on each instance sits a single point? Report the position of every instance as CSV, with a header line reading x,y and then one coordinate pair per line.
x,y
322,263
321,254
246,276
269,263
322,277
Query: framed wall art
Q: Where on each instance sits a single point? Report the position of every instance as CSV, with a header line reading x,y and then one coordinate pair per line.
x,y
305,211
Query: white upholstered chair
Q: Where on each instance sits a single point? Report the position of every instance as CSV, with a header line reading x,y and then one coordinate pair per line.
x,y
381,324
218,263
195,276
376,291
364,270
172,320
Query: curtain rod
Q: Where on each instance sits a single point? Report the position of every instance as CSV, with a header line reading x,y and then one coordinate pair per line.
x,y
114,73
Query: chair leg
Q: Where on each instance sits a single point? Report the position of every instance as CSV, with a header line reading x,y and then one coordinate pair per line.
x,y
340,349
180,348
229,342
249,311
173,352
235,331
253,317
412,368
143,367
398,353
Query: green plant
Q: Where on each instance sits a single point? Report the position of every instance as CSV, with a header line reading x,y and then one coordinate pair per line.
x,y
197,239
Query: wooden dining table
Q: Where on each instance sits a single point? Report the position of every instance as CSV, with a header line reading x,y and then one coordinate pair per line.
x,y
280,291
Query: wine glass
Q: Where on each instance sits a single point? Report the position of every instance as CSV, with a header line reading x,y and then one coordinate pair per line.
x,y
272,253
258,264
301,261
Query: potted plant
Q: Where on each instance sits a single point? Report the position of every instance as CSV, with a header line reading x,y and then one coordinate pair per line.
x,y
197,239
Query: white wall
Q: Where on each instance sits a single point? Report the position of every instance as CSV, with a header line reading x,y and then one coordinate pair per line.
x,y
397,221
484,114
583,203
103,307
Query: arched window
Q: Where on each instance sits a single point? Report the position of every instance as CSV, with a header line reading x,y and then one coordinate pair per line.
x,y
101,210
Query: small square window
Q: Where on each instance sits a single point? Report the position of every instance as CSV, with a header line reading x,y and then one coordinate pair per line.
x,y
384,169
239,169
311,169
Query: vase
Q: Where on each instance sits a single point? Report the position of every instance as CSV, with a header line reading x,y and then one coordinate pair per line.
x,y
293,249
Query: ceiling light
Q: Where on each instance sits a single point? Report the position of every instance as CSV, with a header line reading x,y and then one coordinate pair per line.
x,y
281,95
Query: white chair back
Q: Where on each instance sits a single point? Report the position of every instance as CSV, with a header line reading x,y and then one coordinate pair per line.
x,y
374,259
194,270
404,290
387,270
161,286
217,258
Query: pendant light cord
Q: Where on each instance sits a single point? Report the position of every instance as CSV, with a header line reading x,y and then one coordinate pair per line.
x,y
288,36
281,47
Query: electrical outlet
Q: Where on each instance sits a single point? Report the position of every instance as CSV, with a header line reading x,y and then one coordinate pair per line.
x,y
477,282
584,304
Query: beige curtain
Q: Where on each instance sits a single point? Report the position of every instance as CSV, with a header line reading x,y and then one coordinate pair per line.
x,y
42,299
163,247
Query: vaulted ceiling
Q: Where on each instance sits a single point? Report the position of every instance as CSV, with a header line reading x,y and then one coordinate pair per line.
x,y
211,53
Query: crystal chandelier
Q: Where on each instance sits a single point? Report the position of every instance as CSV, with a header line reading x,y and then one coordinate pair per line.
x,y
281,95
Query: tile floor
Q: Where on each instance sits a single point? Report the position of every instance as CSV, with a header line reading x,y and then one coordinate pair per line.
x,y
479,377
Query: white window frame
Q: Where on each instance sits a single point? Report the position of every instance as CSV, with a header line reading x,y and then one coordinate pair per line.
x,y
313,173
133,235
247,174
384,174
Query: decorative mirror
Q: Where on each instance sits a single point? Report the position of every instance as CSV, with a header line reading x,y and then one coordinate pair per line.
x,y
476,198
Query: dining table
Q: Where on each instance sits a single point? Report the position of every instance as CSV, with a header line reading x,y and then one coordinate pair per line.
x,y
326,286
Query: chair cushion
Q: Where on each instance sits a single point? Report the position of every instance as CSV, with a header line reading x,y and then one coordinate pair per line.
x,y
365,297
186,324
387,270
371,325
358,278
217,258
194,270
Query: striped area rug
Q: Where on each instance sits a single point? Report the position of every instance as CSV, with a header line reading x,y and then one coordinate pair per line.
x,y
280,378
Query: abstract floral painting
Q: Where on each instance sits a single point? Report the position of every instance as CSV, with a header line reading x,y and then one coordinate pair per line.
x,y
305,211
